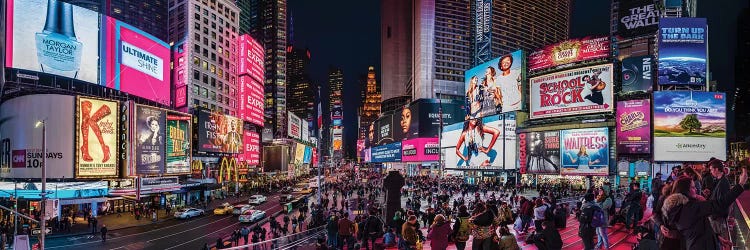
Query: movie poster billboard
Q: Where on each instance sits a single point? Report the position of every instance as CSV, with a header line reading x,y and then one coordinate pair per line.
x,y
179,143
578,91
637,74
219,133
488,143
96,138
495,86
682,51
294,126
584,151
689,126
386,153
539,152
150,129
634,127
420,149
637,17
570,51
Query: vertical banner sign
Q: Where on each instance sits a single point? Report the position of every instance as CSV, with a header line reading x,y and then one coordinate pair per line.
x,y
682,51
293,126
483,31
96,142
179,146
585,90
634,127
637,74
689,126
585,151
150,128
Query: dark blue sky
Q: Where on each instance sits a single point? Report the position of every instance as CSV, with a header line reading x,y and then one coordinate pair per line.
x,y
346,34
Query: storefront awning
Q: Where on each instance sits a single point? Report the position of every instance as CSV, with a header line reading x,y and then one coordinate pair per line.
x,y
82,201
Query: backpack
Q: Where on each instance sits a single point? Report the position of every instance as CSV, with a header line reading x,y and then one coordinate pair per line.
x,y
549,213
463,230
597,217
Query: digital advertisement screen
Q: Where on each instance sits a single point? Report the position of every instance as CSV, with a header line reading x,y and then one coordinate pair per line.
x,y
384,130
585,90
179,143
299,154
150,129
368,155
428,114
305,131
337,112
96,138
251,152
219,132
136,62
22,142
251,100
634,127
570,51
584,151
539,152
420,149
495,86
386,153
637,74
294,124
682,51
637,17
689,126
308,155
251,58
53,37
489,143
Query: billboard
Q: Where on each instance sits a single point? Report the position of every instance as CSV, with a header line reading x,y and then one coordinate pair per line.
x,y
251,58
150,129
634,127
337,139
96,138
570,51
21,144
539,152
428,114
337,112
368,155
488,143
299,154
637,74
584,151
682,51
495,86
179,143
308,155
294,129
384,133
180,71
53,37
305,130
637,17
689,126
136,62
251,152
386,153
584,90
219,133
420,149
482,30
251,100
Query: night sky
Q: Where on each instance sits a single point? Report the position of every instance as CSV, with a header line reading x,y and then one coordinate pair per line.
x,y
346,34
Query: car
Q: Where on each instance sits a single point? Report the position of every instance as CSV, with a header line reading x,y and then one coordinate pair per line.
x,y
305,191
187,213
241,209
251,216
257,199
225,208
286,198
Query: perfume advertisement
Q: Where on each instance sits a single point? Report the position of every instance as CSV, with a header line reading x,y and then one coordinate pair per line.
x,y
136,62
53,37
96,138
150,127
179,127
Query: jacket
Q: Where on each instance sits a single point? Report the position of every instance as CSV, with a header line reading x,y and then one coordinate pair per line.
x,y
634,198
346,227
721,188
509,242
481,225
605,205
439,235
527,208
690,217
409,233
584,221
551,238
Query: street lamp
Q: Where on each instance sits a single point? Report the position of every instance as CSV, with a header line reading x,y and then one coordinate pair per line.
x,y
43,220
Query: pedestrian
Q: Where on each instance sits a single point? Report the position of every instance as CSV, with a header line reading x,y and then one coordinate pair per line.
x,y
482,224
219,243
720,189
236,237
549,238
408,232
245,233
633,201
539,209
605,203
93,222
656,185
255,240
585,230
438,233
104,233
332,229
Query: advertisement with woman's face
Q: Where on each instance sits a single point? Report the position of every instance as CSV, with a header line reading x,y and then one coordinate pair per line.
x,y
584,151
478,143
151,129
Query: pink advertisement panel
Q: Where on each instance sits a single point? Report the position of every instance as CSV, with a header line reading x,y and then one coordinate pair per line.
x,y
570,51
251,100
251,152
251,58
136,62
420,149
634,127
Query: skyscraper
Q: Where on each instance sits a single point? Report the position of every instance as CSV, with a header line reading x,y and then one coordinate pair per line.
x,y
741,105
205,40
147,15
301,90
370,109
396,47
516,24
336,85
265,20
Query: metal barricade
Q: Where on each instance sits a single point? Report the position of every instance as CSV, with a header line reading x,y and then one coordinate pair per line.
x,y
306,237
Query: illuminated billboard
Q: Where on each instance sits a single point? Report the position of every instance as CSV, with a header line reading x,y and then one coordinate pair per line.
x,y
584,151
488,143
682,51
539,152
637,74
219,133
180,72
150,129
578,91
251,58
251,100
420,149
637,17
495,86
251,152
689,126
179,143
136,62
53,37
570,51
96,138
634,127
428,114
294,129
299,154
386,153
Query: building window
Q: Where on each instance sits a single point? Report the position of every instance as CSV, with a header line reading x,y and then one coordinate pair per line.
x,y
213,82
213,68
196,60
204,92
205,65
196,90
197,48
213,96
196,74
205,79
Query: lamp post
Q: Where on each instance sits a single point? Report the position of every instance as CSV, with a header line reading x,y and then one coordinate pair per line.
x,y
43,220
